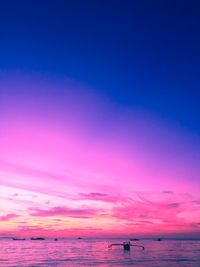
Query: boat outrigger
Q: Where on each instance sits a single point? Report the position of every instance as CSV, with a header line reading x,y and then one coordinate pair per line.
x,y
126,245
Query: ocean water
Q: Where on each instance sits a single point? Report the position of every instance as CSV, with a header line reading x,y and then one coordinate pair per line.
x,y
95,252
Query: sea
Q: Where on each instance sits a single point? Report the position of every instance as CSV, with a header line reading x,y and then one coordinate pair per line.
x,y
95,252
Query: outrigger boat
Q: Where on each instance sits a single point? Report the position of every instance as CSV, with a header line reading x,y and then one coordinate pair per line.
x,y
126,245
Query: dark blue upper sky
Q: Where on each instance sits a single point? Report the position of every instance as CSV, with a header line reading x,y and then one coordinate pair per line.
x,y
138,53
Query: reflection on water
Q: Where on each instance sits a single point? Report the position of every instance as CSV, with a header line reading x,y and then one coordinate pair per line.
x,y
94,252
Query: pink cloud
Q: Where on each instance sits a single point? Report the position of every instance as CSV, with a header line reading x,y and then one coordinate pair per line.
x,y
83,213
161,215
102,197
144,210
8,217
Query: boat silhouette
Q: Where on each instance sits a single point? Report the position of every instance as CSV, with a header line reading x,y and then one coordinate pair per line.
x,y
37,238
126,245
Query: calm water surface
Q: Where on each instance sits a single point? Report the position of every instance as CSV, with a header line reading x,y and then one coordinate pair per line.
x,y
94,252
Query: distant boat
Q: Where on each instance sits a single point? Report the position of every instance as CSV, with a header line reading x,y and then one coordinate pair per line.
x,y
14,238
134,239
80,238
159,239
37,238
55,239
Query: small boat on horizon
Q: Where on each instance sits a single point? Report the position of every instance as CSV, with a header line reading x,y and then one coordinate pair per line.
x,y
15,238
37,238
134,239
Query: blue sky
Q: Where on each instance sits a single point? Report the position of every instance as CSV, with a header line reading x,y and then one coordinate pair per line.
x,y
141,54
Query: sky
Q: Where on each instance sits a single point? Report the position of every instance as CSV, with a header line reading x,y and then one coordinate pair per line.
x,y
99,118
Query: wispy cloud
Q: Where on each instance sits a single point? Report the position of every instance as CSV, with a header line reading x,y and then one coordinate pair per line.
x,y
8,217
83,213
168,192
97,196
162,212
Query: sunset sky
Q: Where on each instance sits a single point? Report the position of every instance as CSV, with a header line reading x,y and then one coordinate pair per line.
x,y
99,119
